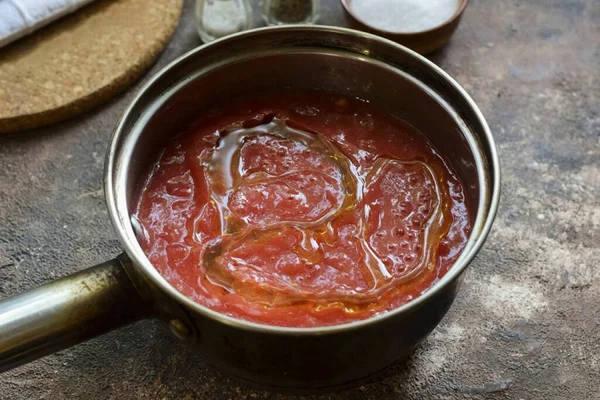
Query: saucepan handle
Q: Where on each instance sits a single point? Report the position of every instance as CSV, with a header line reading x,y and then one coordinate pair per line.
x,y
65,312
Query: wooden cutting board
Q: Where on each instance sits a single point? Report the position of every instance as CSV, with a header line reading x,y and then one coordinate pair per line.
x,y
81,60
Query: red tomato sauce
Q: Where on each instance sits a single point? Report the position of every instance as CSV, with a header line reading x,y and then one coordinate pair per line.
x,y
301,208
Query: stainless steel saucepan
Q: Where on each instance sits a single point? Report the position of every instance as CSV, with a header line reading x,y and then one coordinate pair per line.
x,y
99,299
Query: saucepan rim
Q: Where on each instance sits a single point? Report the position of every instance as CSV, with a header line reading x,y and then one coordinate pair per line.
x,y
119,213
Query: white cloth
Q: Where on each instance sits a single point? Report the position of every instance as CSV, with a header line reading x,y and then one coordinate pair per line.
x,y
21,17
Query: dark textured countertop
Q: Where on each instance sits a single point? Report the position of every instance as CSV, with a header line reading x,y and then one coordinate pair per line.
x,y
526,324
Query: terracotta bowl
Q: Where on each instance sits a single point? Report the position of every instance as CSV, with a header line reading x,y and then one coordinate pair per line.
x,y
423,42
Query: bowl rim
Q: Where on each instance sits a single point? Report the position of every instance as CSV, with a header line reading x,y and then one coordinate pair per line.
x,y
449,21
119,213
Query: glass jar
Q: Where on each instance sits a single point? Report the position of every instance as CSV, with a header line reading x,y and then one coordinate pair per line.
x,y
280,12
218,18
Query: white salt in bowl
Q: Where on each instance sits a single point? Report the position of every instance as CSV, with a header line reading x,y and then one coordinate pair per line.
x,y
408,22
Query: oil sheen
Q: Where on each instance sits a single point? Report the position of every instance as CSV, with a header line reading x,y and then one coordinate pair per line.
x,y
301,208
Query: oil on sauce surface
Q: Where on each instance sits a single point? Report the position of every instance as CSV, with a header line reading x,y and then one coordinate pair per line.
x,y
301,208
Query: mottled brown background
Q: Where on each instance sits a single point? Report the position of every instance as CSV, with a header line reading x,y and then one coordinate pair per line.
x,y
526,324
